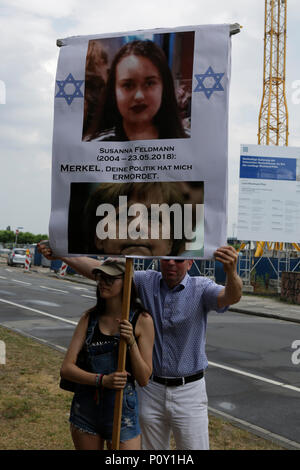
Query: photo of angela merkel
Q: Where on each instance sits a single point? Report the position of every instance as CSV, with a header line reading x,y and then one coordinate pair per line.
x,y
152,221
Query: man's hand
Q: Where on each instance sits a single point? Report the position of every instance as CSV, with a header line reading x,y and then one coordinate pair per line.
x,y
81,264
45,250
232,292
228,256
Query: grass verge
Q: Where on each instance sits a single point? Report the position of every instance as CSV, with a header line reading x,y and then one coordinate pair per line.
x,y
34,410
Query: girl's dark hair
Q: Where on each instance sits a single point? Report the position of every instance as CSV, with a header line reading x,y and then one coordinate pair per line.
x,y
167,119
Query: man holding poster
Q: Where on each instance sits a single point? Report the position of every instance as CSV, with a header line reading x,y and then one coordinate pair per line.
x,y
140,170
175,398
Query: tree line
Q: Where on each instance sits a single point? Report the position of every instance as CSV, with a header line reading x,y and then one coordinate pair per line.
x,y
8,236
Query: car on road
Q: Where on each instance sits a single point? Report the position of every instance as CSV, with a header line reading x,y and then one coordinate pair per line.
x,y
17,257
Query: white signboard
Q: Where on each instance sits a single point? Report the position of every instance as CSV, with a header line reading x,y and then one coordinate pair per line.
x,y
140,143
269,195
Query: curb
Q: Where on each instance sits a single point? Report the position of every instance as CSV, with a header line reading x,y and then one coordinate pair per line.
x,y
263,314
258,431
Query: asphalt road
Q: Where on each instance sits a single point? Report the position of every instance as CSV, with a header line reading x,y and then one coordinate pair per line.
x,y
42,307
251,377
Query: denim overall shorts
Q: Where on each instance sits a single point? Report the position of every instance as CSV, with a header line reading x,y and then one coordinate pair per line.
x,y
92,409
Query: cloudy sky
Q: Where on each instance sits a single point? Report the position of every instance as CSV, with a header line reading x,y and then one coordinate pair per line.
x,y
28,52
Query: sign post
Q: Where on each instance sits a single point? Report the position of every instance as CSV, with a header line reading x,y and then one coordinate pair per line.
x,y
16,239
122,354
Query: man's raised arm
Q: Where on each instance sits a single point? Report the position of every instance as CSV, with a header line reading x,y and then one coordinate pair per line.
x,y
232,292
81,264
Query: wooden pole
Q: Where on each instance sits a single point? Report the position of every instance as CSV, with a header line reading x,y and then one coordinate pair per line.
x,y
122,354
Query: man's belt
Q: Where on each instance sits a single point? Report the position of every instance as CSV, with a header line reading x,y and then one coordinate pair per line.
x,y
173,382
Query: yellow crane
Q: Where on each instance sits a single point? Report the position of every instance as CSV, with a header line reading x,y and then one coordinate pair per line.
x,y
273,115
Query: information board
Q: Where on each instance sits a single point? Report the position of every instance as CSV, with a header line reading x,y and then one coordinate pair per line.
x,y
269,194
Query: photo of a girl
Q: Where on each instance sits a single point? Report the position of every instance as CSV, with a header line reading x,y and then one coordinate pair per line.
x,y
142,96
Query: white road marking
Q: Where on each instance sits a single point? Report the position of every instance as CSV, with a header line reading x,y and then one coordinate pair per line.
x,y
40,312
253,376
22,282
2,277
57,290
79,288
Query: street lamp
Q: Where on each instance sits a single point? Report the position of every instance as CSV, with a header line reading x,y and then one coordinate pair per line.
x,y
17,233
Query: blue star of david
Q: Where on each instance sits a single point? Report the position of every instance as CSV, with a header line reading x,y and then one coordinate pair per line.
x,y
212,76
69,96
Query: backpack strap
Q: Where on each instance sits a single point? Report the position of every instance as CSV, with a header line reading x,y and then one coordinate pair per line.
x,y
93,319
133,317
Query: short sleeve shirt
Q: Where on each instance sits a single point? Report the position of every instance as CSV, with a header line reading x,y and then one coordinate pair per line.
x,y
180,319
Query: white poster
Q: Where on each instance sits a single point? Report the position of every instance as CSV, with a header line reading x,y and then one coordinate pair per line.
x,y
269,195
140,143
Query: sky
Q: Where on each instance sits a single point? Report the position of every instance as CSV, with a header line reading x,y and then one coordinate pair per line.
x,y
28,51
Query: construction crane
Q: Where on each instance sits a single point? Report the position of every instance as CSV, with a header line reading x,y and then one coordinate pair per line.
x,y
273,115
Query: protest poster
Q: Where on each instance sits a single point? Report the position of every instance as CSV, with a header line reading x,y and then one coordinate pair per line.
x,y
269,193
140,143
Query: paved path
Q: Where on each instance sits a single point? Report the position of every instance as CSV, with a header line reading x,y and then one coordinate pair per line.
x,y
267,307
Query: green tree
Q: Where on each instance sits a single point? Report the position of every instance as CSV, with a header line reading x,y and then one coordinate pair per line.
x,y
40,236
7,236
